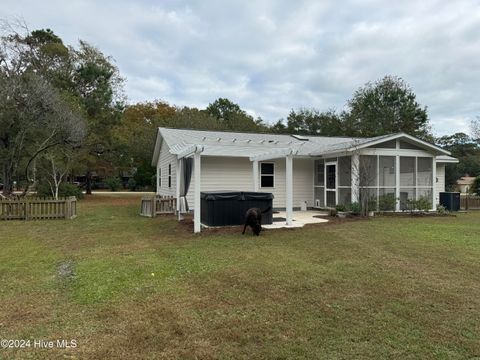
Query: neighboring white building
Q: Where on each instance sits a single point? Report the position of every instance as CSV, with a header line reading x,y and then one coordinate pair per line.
x,y
316,171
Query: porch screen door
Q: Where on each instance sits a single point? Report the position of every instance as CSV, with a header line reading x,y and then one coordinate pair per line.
x,y
331,184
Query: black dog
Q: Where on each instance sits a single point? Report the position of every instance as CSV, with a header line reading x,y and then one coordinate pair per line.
x,y
253,218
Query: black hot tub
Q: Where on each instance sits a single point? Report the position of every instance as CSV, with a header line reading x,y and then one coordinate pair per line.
x,y
219,208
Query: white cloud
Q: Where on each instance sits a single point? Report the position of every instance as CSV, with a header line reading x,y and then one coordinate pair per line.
x,y
271,56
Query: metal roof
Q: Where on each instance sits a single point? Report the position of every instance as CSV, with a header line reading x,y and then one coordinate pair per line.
x,y
238,144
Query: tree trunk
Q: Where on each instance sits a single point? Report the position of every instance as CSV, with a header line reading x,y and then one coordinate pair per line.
x,y
88,185
7,180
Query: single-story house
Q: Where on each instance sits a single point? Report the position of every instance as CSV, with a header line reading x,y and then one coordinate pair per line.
x,y
300,171
464,184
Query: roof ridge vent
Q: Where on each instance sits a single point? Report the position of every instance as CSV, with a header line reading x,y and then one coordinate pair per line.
x,y
300,137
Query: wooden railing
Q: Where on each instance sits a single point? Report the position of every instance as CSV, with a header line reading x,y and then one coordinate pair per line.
x,y
152,206
38,208
469,202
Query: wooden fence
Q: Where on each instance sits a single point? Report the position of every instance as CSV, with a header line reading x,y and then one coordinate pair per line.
x,y
38,208
470,202
158,205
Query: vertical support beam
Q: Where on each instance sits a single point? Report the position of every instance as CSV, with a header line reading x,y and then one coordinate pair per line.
x,y
197,172
178,177
434,183
355,178
255,175
289,188
397,182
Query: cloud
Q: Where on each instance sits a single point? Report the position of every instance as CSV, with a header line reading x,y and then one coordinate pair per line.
x,y
272,56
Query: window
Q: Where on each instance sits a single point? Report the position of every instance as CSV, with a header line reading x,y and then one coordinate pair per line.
x,y
267,175
159,177
169,175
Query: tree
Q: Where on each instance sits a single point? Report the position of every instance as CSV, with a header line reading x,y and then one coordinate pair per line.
x,y
475,128
314,122
98,87
34,115
467,150
475,189
232,117
386,106
53,167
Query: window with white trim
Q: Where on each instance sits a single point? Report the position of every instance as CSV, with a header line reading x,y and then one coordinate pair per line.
x,y
159,177
267,175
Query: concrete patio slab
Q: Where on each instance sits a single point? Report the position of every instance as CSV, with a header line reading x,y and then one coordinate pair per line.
x,y
300,219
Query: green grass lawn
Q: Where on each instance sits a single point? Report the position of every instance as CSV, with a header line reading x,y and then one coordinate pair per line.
x,y
129,287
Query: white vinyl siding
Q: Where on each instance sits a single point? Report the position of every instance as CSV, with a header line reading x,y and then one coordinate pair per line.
x,y
440,187
165,159
236,174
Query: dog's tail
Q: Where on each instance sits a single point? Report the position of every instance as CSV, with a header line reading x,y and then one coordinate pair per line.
x,y
266,210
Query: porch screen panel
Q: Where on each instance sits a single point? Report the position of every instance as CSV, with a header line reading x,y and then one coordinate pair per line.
x,y
407,171
319,183
319,173
386,199
386,171
405,195
425,172
344,171
368,170
344,196
319,194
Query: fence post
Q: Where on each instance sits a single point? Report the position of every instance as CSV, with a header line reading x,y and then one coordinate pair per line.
x,y
26,210
154,206
466,201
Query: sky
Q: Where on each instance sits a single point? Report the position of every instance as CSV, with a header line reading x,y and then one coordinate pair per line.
x,y
274,56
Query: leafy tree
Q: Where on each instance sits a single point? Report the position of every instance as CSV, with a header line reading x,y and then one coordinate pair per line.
x,y
98,87
475,189
475,127
34,115
232,117
314,122
386,106
467,150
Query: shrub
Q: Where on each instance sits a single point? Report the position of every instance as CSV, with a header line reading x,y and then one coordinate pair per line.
x,y
475,189
340,208
132,184
65,189
441,209
386,202
355,208
113,183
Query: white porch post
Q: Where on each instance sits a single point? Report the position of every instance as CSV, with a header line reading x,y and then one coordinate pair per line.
x,y
289,188
178,174
355,178
196,213
397,182
255,174
434,183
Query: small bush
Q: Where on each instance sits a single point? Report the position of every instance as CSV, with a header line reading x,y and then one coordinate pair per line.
x,y
355,208
341,208
113,183
132,184
387,202
442,210
65,189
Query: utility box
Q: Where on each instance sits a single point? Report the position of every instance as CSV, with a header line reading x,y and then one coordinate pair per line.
x,y
451,200
220,208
